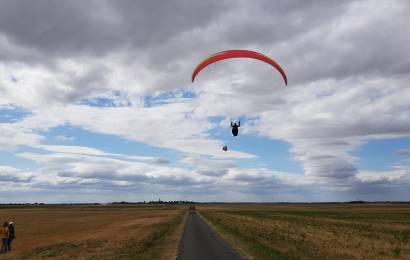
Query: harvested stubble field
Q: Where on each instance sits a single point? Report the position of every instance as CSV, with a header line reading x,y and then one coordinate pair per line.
x,y
333,231
91,232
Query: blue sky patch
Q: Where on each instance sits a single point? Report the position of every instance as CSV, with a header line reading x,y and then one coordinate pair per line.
x,y
107,143
116,99
167,97
12,114
380,155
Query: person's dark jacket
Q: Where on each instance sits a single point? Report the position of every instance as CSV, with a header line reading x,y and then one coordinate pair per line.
x,y
12,233
235,128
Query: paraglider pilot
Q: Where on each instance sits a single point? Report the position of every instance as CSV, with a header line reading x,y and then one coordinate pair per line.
x,y
235,127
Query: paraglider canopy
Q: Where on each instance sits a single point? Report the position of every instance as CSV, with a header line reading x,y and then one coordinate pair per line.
x,y
229,54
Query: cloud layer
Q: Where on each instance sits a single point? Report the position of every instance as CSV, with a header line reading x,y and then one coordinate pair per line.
x,y
123,69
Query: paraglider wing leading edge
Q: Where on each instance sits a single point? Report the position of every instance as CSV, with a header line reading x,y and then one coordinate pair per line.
x,y
229,54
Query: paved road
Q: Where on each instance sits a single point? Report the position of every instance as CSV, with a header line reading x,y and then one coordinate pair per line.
x,y
199,242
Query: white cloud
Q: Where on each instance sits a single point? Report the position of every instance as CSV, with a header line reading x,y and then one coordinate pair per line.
x,y
12,136
72,149
64,138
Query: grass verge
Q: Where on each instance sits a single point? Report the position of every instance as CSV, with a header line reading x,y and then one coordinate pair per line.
x,y
243,242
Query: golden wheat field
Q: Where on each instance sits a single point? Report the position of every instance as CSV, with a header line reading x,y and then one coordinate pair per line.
x,y
338,231
90,232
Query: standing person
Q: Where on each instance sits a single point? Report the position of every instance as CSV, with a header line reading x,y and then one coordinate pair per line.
x,y
4,234
12,235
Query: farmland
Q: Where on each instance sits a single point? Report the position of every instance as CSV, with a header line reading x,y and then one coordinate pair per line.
x,y
314,231
89,232
257,231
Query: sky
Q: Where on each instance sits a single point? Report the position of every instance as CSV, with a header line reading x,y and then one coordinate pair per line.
x,y
97,103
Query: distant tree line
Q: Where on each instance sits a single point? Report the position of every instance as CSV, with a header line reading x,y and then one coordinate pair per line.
x,y
159,201
188,202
